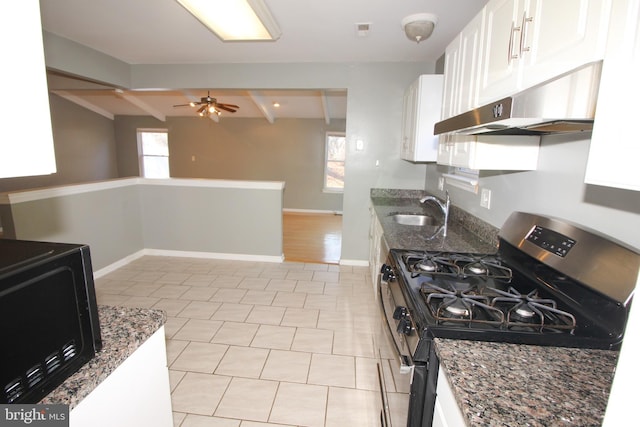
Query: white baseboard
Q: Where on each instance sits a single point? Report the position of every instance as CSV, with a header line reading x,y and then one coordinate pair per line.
x,y
354,262
185,254
312,211
116,265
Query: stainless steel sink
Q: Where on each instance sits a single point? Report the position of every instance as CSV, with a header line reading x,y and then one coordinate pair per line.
x,y
418,220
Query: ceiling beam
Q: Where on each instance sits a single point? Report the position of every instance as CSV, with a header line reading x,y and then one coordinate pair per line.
x,y
262,106
325,107
83,103
142,105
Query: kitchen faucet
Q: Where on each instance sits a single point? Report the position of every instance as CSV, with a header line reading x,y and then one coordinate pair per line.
x,y
443,206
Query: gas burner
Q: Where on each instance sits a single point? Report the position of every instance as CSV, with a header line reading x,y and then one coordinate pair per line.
x,y
457,308
524,312
476,268
532,311
488,266
426,265
421,263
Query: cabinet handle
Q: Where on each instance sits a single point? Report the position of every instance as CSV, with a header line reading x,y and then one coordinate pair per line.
x,y
523,37
512,36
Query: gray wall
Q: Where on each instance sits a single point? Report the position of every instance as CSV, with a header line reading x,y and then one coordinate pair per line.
x,y
212,220
289,150
557,189
150,214
109,221
84,144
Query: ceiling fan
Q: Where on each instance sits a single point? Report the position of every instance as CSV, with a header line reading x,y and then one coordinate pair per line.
x,y
209,105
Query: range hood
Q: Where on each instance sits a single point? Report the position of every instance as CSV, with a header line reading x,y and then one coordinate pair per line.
x,y
565,104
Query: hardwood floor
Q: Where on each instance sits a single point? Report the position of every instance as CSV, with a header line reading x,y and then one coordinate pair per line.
x,y
312,238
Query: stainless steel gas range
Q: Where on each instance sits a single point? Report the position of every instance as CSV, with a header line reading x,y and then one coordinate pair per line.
x,y
550,283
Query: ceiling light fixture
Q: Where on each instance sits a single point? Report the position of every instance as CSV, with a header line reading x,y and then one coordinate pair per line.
x,y
419,27
235,20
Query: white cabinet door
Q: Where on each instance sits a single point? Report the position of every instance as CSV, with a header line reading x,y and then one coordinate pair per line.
x,y
614,149
409,121
27,140
500,69
423,103
446,412
376,257
462,62
485,152
530,41
471,55
451,85
558,36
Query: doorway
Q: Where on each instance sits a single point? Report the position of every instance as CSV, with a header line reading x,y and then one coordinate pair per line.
x,y
312,237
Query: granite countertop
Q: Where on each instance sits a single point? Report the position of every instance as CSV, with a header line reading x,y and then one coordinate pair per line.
x,y
123,330
498,384
465,233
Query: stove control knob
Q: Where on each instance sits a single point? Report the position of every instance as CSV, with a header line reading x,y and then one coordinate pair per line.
x,y
400,313
388,274
404,326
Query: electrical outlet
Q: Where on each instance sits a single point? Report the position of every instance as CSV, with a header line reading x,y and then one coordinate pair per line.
x,y
485,198
441,183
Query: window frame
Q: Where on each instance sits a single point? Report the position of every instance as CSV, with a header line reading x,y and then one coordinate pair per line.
x,y
141,155
327,136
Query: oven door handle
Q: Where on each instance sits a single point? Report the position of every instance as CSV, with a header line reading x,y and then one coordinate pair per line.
x,y
404,359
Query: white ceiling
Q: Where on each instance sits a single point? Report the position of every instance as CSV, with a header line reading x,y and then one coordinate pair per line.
x,y
162,32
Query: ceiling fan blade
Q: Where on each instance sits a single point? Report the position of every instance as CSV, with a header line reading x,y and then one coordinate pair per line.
x,y
228,105
223,107
191,104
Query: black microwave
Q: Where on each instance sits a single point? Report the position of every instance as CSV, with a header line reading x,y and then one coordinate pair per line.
x,y
49,324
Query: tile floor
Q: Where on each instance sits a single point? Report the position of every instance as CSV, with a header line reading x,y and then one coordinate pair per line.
x,y
259,344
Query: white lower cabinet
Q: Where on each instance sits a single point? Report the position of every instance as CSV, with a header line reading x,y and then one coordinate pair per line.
x,y
487,152
136,394
376,257
446,413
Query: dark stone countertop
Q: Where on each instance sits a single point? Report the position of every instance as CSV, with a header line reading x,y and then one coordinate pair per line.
x,y
465,233
123,330
512,385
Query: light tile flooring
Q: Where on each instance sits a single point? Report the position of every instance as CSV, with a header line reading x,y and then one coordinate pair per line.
x,y
259,344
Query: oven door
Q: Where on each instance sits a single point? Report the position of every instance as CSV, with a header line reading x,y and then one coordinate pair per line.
x,y
395,364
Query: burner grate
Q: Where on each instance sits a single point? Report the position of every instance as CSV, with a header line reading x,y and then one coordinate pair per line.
x,y
456,265
476,305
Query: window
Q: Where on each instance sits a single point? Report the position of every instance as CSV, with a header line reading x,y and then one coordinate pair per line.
x,y
335,151
153,148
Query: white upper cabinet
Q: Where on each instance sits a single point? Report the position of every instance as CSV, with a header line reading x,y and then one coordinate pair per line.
x,y
26,146
614,149
463,57
422,106
530,41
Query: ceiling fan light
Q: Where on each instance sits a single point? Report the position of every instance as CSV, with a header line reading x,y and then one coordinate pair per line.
x,y
212,109
235,20
420,26
192,104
